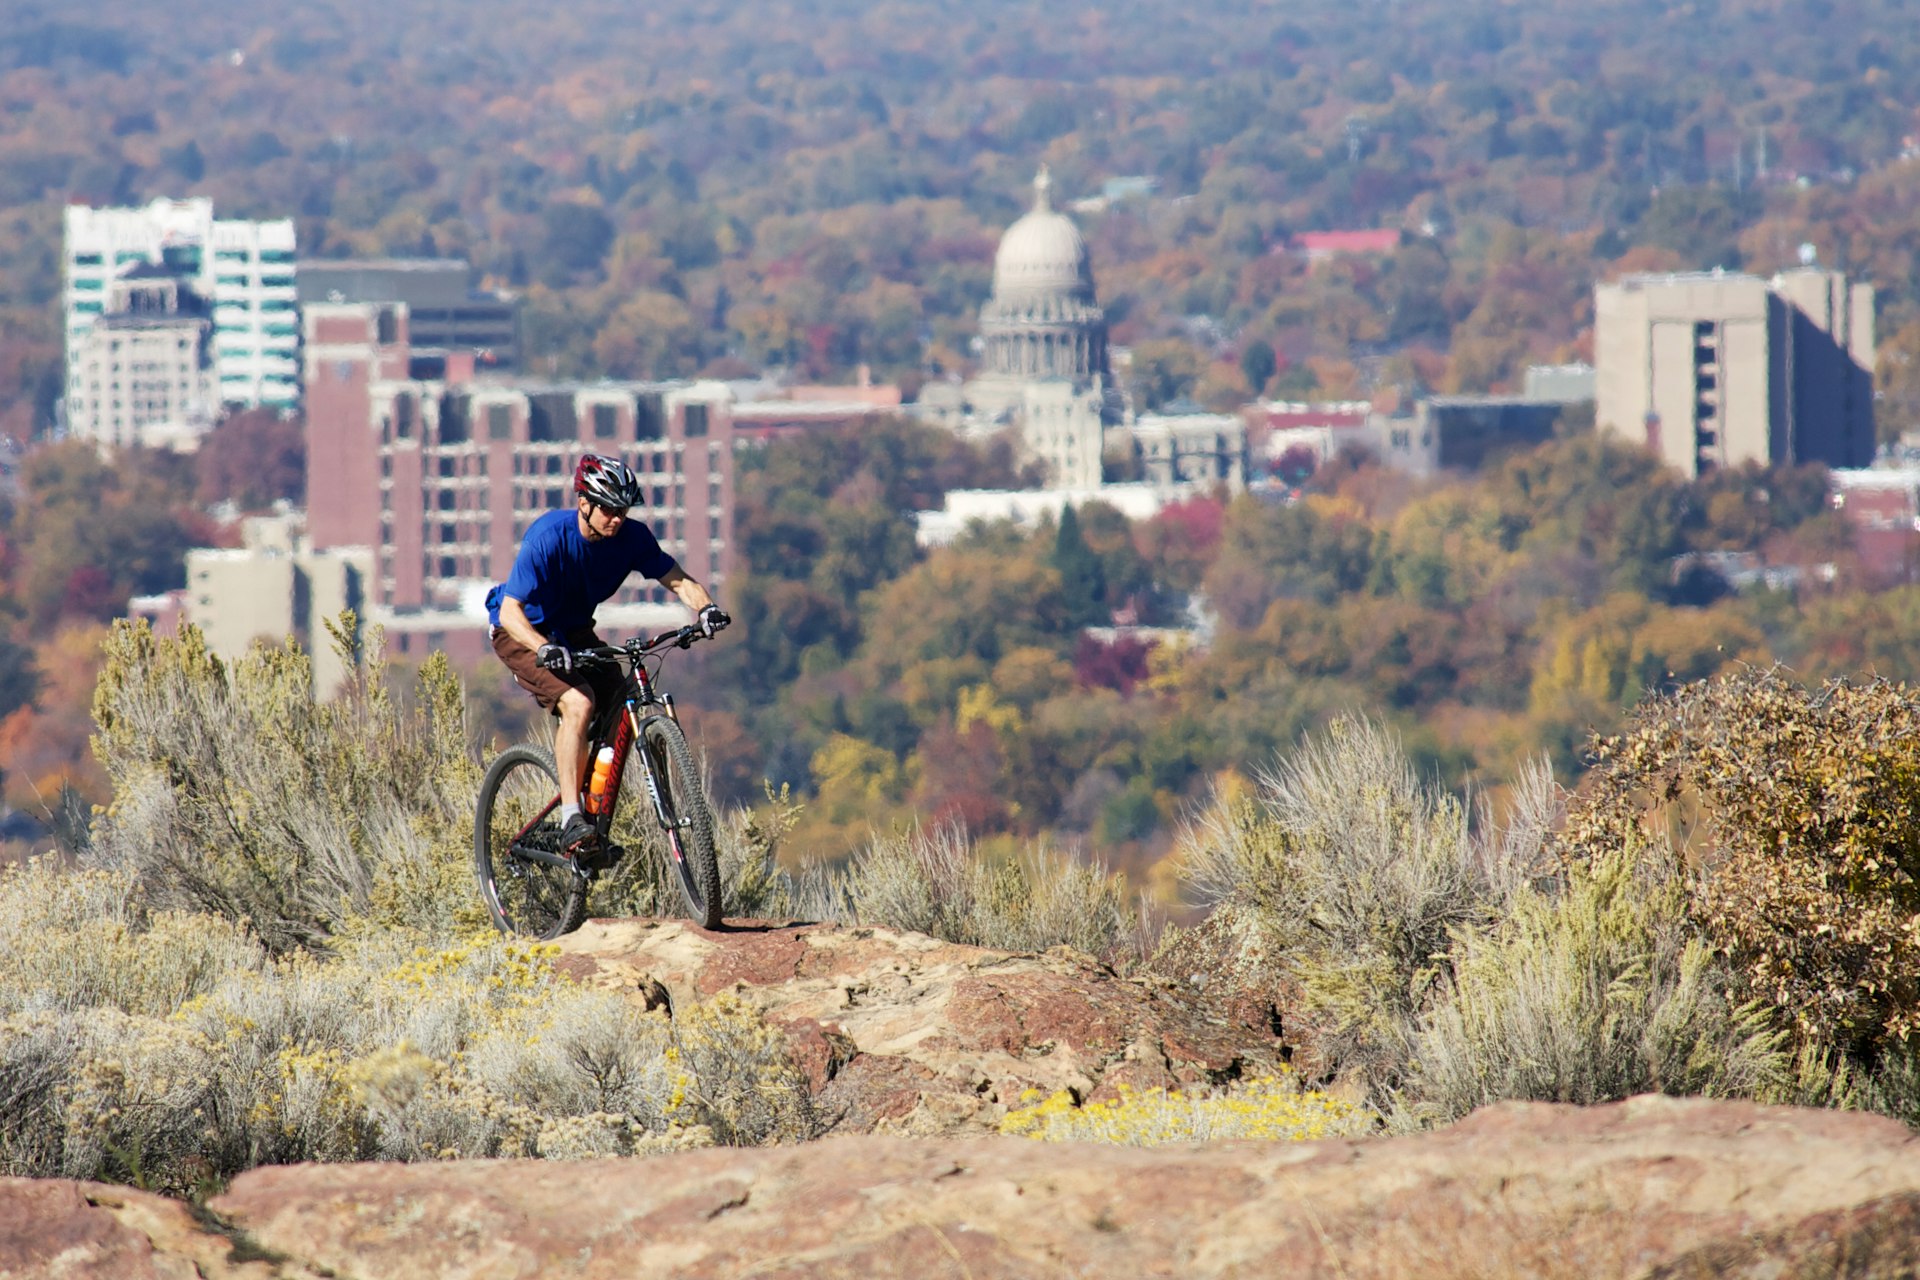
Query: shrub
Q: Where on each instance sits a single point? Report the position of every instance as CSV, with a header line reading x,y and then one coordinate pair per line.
x,y
1586,991
746,842
1274,1108
937,883
80,939
151,1065
1359,875
1795,815
237,795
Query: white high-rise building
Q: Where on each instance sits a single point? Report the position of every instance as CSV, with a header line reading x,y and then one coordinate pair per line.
x,y
244,269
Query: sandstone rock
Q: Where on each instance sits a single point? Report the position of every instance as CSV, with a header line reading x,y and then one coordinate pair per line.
x,y
1664,1189
1650,1187
63,1230
902,1033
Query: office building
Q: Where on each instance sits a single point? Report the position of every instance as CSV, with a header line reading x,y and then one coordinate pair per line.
x,y
1718,369
439,470
274,585
444,311
143,373
244,270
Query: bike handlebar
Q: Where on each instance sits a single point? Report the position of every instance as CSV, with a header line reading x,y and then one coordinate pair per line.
x,y
638,647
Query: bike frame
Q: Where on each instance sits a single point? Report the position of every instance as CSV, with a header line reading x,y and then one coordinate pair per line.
x,y
619,726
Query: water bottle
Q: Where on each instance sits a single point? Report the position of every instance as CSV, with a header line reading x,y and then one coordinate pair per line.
x,y
602,773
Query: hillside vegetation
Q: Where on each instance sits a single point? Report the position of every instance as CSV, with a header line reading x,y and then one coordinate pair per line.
x,y
1725,912
822,184
1486,618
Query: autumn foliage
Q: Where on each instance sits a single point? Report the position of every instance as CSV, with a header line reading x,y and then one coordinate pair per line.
x,y
1794,813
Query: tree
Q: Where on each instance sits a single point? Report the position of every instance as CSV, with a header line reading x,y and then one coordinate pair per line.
x,y
91,533
1259,363
253,459
1083,580
574,239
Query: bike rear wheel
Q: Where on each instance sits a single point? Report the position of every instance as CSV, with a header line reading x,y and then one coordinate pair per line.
x,y
689,838
523,896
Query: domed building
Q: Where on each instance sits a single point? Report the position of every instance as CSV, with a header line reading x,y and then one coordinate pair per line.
x,y
1043,320
1043,344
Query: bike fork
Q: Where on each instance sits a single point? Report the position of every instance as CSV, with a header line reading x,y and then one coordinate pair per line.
x,y
667,824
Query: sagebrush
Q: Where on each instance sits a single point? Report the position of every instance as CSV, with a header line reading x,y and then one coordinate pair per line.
x,y
935,882
237,794
1439,963
172,1051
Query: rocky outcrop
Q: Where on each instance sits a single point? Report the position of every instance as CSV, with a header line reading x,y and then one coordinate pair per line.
x,y
1653,1187
902,1033
60,1230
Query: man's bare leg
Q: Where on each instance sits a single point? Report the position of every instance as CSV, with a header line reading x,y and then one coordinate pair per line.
x,y
570,742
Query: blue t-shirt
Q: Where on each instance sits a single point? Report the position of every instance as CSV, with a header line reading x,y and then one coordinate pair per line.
x,y
560,578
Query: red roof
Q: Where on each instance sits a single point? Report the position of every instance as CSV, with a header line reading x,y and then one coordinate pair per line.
x,y
1319,244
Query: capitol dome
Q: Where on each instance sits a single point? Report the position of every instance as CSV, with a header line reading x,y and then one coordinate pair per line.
x,y
1043,252
1043,320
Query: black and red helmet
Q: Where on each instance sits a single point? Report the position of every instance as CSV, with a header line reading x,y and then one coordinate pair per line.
x,y
606,482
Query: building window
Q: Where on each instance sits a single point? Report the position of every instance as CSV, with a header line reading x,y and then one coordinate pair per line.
x,y
605,421
499,422
402,417
694,417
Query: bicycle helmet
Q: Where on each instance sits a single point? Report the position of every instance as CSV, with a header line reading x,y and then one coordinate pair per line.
x,y
606,482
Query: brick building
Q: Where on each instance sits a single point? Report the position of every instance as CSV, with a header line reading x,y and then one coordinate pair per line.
x,y
1882,509
439,471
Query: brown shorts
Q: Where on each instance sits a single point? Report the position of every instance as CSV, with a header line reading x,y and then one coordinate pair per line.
x,y
546,686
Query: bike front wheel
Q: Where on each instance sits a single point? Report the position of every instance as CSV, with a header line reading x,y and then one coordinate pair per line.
x,y
518,800
689,831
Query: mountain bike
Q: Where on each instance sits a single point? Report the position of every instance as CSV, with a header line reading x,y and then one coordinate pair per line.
x,y
530,886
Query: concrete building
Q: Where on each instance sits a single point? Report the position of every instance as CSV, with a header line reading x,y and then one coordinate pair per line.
x,y
1462,432
143,372
275,585
1718,369
1202,450
445,312
440,470
245,270
1044,361
1028,507
1561,383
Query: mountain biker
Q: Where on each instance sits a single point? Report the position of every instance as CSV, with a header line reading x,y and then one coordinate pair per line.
x,y
569,562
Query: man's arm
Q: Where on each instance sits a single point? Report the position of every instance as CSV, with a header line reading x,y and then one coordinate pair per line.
x,y
676,580
513,621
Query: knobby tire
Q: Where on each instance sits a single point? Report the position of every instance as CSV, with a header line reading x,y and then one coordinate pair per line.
x,y
696,868
523,897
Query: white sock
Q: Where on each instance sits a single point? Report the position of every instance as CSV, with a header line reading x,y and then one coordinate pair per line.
x,y
568,812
